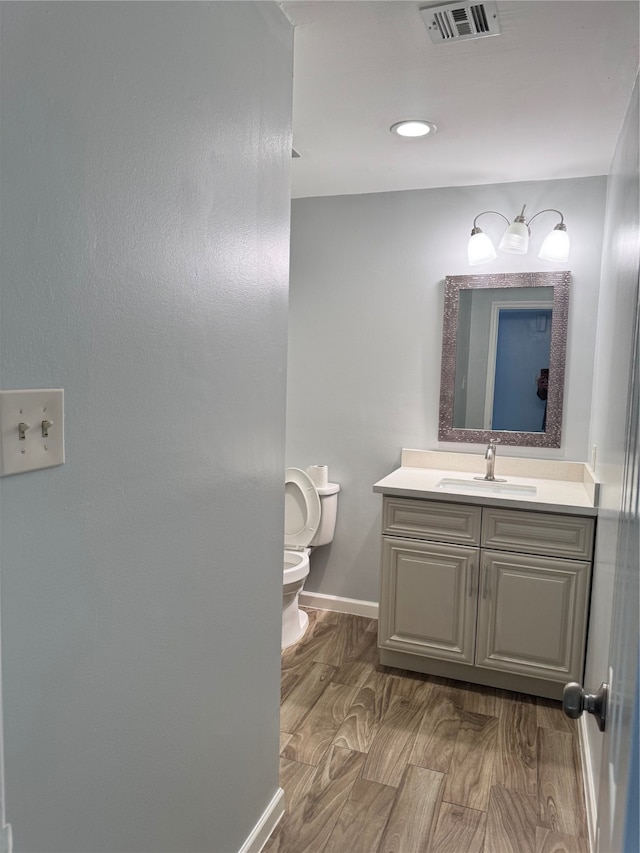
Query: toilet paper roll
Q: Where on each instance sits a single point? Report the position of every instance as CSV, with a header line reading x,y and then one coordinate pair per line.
x,y
319,474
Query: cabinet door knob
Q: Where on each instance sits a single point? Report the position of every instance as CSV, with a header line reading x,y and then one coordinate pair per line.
x,y
575,700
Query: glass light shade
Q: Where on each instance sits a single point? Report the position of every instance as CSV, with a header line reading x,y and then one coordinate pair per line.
x,y
480,249
555,246
515,239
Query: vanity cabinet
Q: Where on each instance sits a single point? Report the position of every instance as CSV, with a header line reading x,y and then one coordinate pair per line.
x,y
488,595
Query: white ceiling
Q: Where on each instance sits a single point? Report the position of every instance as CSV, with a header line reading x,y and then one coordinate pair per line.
x,y
543,100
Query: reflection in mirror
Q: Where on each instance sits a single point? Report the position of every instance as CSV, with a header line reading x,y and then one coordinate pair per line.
x,y
504,341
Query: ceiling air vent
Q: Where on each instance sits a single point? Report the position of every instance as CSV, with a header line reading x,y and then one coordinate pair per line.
x,y
460,21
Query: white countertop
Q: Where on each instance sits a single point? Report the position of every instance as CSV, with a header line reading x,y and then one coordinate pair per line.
x,y
575,495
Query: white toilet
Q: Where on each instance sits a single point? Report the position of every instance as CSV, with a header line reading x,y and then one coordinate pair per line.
x,y
309,521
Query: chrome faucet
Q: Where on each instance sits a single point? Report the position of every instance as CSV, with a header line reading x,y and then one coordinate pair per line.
x,y
490,456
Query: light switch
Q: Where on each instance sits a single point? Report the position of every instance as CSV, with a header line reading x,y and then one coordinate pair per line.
x,y
31,430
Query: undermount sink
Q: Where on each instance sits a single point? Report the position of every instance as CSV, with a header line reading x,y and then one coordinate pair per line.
x,y
485,487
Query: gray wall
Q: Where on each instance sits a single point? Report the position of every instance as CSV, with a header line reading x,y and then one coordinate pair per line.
x,y
145,213
365,337
616,313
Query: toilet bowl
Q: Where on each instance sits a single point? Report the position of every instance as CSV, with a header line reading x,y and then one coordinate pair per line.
x,y
310,519
294,620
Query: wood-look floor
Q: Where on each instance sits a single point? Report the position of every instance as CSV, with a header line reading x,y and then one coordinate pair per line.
x,y
381,760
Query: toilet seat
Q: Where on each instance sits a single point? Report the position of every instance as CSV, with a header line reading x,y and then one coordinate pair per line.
x,y
301,509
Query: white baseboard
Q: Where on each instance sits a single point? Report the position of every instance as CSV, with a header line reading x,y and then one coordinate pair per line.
x,y
262,830
6,843
588,782
320,601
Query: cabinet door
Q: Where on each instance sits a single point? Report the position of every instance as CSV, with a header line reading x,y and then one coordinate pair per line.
x,y
532,615
428,601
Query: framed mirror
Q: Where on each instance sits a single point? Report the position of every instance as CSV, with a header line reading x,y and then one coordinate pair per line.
x,y
503,356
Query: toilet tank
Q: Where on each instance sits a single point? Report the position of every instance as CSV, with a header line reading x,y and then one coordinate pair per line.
x,y
329,508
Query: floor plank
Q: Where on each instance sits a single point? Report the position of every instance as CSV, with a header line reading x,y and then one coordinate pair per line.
x,y
438,730
412,817
288,681
516,762
511,822
309,827
469,780
389,753
295,778
458,829
551,716
304,652
366,713
313,737
413,686
285,737
360,661
339,634
548,841
314,641
560,801
306,692
363,818
481,700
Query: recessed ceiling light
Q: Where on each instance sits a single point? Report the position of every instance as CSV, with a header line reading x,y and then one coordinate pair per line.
x,y
413,127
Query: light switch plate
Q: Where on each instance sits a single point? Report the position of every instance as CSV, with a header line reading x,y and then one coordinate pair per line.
x,y
38,415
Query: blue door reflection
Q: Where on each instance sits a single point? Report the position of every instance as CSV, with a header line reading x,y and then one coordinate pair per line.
x,y
523,350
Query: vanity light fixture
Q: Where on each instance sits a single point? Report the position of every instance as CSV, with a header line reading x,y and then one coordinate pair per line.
x,y
516,239
413,128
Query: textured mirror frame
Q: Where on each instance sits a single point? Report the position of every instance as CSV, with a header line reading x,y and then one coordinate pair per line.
x,y
560,282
